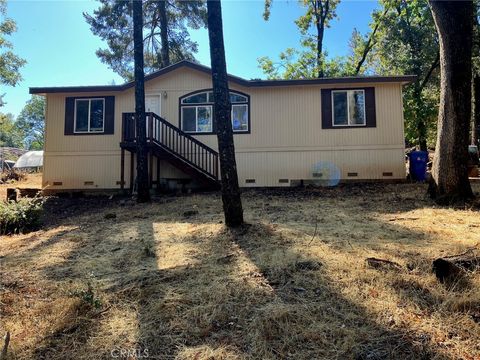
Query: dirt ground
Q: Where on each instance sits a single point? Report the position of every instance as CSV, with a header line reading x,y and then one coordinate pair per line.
x,y
107,278
31,181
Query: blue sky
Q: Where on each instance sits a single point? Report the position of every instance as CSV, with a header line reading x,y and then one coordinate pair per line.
x,y
60,49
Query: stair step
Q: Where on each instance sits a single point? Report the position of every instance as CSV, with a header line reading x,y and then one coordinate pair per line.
x,y
170,143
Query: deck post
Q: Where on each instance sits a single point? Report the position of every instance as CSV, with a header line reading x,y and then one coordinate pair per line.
x,y
131,172
150,169
158,173
150,126
122,170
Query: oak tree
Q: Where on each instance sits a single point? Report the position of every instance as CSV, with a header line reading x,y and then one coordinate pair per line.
x,y
318,14
454,23
31,123
10,63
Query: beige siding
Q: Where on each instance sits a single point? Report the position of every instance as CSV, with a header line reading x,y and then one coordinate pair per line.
x,y
286,140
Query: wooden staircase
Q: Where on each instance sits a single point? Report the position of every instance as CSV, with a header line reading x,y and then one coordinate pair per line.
x,y
167,142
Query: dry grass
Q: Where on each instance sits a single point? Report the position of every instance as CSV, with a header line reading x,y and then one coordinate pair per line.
x,y
155,282
32,181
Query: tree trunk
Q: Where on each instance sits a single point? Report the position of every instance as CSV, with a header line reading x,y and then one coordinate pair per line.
x,y
321,13
420,121
453,20
165,50
476,113
370,43
320,29
143,194
232,203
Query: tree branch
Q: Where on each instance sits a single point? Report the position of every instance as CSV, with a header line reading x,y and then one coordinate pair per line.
x,y
369,45
434,65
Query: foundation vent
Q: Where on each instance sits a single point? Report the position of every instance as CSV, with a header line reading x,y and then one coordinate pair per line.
x,y
88,183
283,181
57,183
250,181
387,174
317,174
352,174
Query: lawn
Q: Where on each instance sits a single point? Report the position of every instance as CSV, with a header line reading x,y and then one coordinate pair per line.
x,y
106,278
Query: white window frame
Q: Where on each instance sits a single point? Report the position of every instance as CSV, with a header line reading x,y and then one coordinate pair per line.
x,y
210,104
196,118
88,119
348,108
246,104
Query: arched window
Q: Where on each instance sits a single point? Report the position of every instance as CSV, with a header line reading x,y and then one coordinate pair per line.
x,y
196,112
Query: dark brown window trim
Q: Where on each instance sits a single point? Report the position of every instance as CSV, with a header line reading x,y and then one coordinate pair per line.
x,y
108,121
180,105
370,109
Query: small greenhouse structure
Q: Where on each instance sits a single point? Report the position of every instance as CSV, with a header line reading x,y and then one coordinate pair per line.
x,y
31,160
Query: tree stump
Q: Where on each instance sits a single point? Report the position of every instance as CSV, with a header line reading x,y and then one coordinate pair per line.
x,y
452,267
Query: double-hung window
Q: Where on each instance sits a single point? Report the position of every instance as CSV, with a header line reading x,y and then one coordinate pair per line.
x,y
89,115
348,108
196,112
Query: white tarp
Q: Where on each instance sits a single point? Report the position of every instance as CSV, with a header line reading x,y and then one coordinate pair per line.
x,y
31,159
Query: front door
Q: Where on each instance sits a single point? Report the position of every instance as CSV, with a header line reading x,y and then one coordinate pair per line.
x,y
152,104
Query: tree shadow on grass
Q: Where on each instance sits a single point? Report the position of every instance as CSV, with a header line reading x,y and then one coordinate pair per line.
x,y
242,298
187,288
310,317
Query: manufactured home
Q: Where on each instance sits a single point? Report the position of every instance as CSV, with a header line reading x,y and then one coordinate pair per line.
x,y
286,132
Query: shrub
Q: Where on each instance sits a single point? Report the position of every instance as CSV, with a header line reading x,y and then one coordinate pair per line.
x,y
89,295
21,216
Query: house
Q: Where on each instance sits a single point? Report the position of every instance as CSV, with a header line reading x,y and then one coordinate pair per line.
x,y
286,132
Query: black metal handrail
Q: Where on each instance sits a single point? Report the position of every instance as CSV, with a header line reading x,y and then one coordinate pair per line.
x,y
173,140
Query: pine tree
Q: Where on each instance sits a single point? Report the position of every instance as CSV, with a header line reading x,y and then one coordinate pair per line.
x,y
232,203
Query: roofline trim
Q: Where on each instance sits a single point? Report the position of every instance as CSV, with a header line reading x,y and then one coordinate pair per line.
x,y
404,79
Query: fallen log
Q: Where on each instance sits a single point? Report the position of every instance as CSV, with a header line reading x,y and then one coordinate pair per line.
x,y
6,341
454,266
382,264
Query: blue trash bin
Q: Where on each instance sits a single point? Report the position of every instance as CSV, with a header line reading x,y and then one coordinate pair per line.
x,y
418,165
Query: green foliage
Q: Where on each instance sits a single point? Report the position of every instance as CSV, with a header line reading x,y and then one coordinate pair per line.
x,y
402,40
10,63
10,134
21,216
300,64
31,123
292,64
423,107
88,293
113,23
310,61
407,43
324,10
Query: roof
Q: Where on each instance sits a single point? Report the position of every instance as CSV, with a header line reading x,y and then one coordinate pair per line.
x,y
404,79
